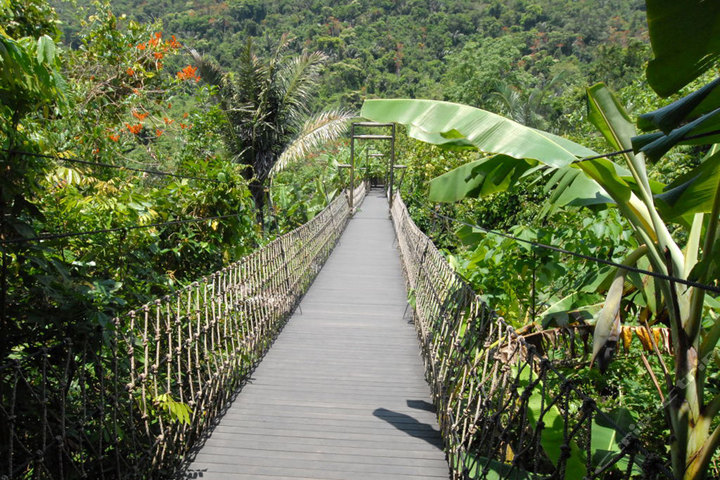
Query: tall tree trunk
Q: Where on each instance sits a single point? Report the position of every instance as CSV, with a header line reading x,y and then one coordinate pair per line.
x,y
257,190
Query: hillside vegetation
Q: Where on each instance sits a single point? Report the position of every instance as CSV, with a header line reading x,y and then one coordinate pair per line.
x,y
453,50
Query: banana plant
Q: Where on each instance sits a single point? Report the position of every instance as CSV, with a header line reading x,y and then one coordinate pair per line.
x,y
513,151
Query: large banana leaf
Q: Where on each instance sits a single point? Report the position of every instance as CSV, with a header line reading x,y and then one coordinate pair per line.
x,y
608,430
570,186
479,178
691,120
611,119
685,38
548,418
693,192
521,148
634,199
452,124
660,144
671,116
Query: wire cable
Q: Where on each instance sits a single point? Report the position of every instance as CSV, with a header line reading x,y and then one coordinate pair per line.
x,y
662,276
110,165
55,236
206,179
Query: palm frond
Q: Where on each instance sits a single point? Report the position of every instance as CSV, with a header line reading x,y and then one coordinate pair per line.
x,y
209,70
297,80
249,80
316,131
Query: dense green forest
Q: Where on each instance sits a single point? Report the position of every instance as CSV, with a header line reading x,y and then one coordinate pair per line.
x,y
458,51
146,144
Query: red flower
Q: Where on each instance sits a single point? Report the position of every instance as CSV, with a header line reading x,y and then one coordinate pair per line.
x,y
135,129
140,116
188,73
173,43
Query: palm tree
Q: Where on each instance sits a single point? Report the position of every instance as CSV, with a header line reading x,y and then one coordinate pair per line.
x,y
526,108
266,106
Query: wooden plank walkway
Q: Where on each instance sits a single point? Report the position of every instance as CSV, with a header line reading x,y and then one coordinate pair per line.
x,y
341,394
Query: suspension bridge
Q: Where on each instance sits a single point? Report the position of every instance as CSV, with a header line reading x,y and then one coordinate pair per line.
x,y
342,393
347,348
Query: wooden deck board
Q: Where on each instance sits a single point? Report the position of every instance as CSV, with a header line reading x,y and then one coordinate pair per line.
x,y
341,394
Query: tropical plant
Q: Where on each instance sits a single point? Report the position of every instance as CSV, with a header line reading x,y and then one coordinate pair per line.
x,y
517,149
30,83
582,177
526,109
267,108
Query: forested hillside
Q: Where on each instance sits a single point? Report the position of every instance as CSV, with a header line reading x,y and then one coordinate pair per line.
x,y
485,53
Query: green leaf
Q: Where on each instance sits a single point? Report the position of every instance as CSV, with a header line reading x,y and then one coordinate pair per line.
x,y
470,236
685,38
479,178
671,116
607,433
552,436
655,186
572,187
609,117
692,192
433,121
45,50
451,140
580,303
639,141
476,467
177,411
659,147
604,172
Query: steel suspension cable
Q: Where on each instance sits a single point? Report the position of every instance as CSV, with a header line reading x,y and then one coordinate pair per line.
x,y
110,165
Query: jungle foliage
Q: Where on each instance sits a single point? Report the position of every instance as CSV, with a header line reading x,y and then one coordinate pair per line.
x,y
117,86
460,51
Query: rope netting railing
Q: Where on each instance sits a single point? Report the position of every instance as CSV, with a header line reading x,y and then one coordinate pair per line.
x,y
505,410
131,402
359,194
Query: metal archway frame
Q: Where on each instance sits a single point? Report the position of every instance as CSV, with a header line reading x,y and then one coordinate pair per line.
x,y
354,137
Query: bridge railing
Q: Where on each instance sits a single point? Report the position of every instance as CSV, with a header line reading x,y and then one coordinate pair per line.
x,y
504,410
131,402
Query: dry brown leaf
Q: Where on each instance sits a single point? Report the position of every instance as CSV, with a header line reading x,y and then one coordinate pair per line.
x,y
626,336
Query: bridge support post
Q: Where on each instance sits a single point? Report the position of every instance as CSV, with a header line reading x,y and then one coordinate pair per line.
x,y
352,168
